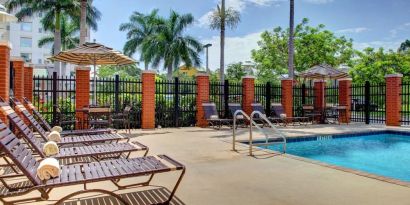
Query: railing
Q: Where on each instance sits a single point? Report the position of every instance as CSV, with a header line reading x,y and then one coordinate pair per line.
x,y
332,95
368,103
405,103
268,93
223,93
302,95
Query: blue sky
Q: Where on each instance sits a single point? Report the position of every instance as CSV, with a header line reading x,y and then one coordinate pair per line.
x,y
370,23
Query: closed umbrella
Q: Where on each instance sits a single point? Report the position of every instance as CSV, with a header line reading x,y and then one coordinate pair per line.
x,y
93,54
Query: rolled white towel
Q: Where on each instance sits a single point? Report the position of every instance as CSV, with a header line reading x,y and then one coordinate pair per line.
x,y
214,117
57,129
50,148
48,168
283,115
54,136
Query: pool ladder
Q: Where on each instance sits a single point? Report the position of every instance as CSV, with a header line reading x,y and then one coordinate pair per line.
x,y
251,125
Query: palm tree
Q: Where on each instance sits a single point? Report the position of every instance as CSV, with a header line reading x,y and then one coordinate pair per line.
x,y
220,18
291,48
53,11
405,46
170,46
139,28
83,21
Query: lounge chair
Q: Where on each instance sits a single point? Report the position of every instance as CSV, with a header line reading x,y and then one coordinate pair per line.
x,y
280,115
233,107
67,140
259,107
211,115
47,126
76,174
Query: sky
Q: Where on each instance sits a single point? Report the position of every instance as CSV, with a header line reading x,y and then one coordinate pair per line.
x,y
370,23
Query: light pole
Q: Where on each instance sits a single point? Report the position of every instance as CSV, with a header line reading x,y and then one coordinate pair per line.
x,y
207,56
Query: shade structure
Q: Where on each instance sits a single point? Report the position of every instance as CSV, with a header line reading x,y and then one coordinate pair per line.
x,y
323,72
93,54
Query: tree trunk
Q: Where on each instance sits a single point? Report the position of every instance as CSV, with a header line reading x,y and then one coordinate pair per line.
x,y
291,51
169,74
57,40
146,65
222,60
83,22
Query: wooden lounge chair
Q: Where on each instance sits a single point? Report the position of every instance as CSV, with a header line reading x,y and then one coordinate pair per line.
x,y
67,140
76,174
211,115
47,126
279,111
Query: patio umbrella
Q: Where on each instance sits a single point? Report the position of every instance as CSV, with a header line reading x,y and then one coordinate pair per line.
x,y
93,54
323,72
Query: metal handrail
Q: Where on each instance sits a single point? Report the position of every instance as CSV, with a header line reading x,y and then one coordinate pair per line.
x,y
238,112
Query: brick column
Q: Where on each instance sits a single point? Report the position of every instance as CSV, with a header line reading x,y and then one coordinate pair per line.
x,y
28,82
202,81
393,99
18,66
345,99
4,74
248,93
319,92
148,99
287,96
82,94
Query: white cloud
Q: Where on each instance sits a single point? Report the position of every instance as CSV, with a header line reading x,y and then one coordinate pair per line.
x,y
319,1
377,44
237,49
353,30
402,27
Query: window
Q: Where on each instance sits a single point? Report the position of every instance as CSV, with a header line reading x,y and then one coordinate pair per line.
x,y
26,26
26,56
40,61
40,30
25,42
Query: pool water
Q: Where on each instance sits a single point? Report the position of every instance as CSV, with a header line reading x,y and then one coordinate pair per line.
x,y
385,154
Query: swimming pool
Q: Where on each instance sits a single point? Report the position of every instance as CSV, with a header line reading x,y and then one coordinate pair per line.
x,y
381,153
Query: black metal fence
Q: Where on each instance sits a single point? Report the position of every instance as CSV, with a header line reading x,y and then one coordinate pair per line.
x,y
175,103
302,95
223,93
368,103
405,103
268,93
332,95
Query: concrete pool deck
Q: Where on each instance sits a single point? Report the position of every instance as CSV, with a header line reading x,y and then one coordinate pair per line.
x,y
217,175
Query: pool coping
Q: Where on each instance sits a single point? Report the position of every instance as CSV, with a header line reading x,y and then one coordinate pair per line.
x,y
340,168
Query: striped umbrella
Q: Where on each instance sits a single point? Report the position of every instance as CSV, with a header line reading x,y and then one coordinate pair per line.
x,y
323,72
93,54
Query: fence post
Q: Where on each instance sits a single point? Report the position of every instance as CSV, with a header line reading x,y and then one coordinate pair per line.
x,y
268,98
226,98
319,89
202,83
18,77
4,74
82,94
116,93
248,93
176,101
345,99
367,102
287,96
54,99
28,82
393,99
148,99
303,94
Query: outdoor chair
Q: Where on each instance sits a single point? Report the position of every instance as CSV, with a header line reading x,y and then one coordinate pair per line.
x,y
311,113
66,140
259,107
123,118
65,120
99,117
47,126
113,171
280,116
211,115
240,118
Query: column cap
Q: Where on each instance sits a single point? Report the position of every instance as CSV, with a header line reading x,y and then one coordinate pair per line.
x,y
28,65
149,71
201,73
248,77
82,68
319,81
394,75
344,79
6,43
287,79
16,58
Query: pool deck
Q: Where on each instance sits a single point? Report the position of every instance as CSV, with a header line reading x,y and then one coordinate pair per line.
x,y
218,175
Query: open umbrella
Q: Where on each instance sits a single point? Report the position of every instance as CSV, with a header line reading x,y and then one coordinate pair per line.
x,y
93,54
323,72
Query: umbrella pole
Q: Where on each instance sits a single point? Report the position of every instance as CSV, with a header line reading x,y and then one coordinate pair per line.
x,y
95,84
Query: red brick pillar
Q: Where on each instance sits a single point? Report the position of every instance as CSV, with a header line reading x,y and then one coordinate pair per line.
x,y
18,87
28,82
4,74
82,95
148,99
345,99
202,81
319,92
287,96
248,93
393,99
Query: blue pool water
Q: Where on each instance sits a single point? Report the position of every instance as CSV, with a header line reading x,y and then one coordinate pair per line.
x,y
385,154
